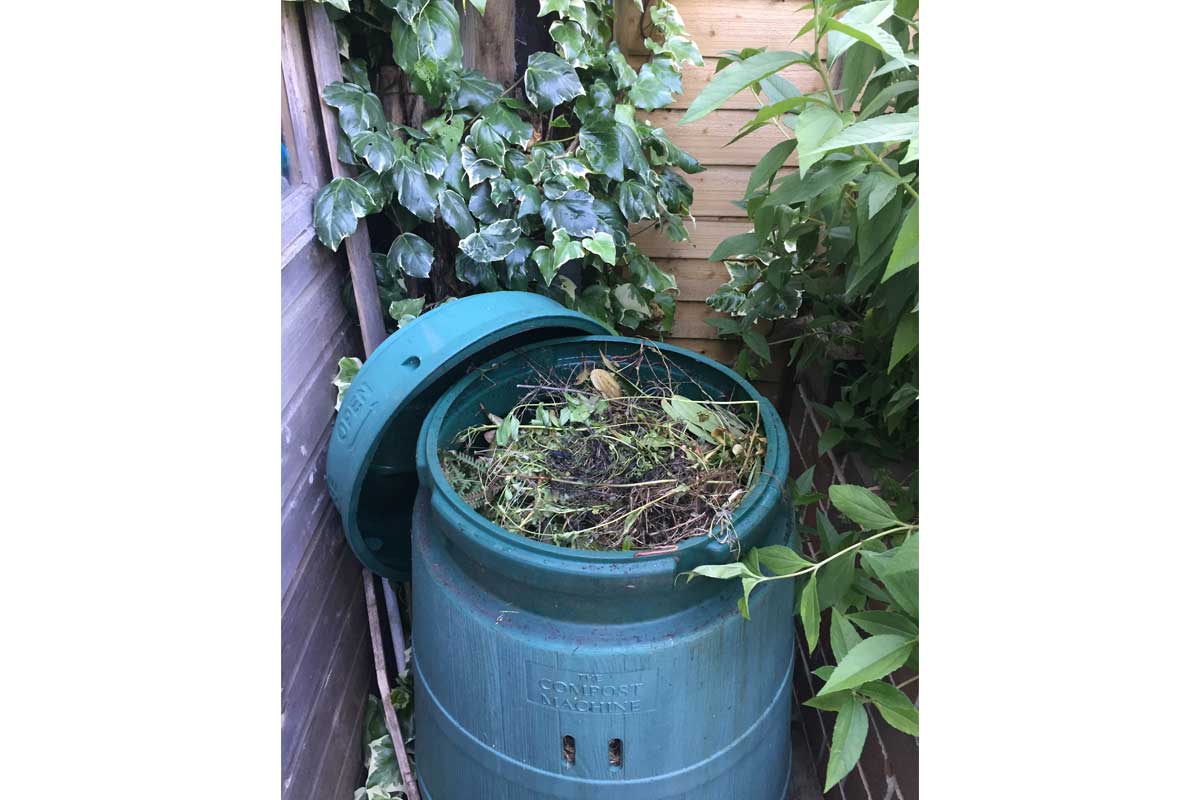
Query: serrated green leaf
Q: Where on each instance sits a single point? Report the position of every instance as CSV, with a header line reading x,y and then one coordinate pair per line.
x,y
829,439
885,623
906,250
410,255
862,506
894,706
904,341
736,77
868,660
810,613
846,744
842,635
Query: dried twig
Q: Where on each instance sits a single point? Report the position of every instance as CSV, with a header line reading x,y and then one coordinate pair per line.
x,y
385,689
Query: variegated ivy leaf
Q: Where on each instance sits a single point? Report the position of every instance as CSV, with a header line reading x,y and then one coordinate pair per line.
x,y
478,169
415,189
647,274
432,159
666,18
602,245
448,135
480,274
374,148
566,8
493,242
571,43
355,71
407,9
378,186
358,109
431,39
631,307
347,369
637,201
479,5
657,83
405,311
530,199
572,213
620,66
550,81
454,211
337,208
598,143
410,255
474,92
496,128
677,47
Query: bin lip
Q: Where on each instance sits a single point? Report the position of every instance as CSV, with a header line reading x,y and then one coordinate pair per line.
x,y
760,501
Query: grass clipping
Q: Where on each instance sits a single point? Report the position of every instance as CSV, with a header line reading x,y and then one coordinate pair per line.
x,y
607,459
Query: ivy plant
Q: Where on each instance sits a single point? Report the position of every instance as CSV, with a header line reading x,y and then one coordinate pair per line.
x,y
537,186
831,260
865,581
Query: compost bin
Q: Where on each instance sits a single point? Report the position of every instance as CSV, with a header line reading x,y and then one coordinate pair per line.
x,y
545,672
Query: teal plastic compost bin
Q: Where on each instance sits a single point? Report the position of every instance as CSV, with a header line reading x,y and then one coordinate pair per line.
x,y
542,672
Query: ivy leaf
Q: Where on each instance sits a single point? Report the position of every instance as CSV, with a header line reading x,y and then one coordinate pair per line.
x,y
516,274
602,245
478,169
594,302
431,37
736,77
407,9
497,127
620,66
569,37
544,258
869,659
565,248
529,199
454,211
630,144
904,341
647,274
347,369
405,311
432,159
598,143
479,5
862,507
358,109
849,736
375,148
474,91
906,250
637,201
378,186
550,81
493,242
482,206
410,255
337,208
414,188
633,309
355,71
572,212
480,274
657,83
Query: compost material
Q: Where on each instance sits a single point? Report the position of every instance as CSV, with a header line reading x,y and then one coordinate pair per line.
x,y
611,454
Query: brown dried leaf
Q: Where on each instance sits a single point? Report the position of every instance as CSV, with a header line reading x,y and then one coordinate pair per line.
x,y
606,384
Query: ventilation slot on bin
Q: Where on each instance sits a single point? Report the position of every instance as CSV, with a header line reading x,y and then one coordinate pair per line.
x,y
569,750
614,752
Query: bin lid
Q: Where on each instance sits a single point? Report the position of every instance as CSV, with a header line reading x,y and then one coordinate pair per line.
x,y
371,468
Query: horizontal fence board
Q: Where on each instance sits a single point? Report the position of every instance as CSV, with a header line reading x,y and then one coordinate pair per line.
x,y
705,236
707,139
344,688
309,326
338,624
690,316
695,278
715,189
696,78
304,423
724,351
303,509
730,25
